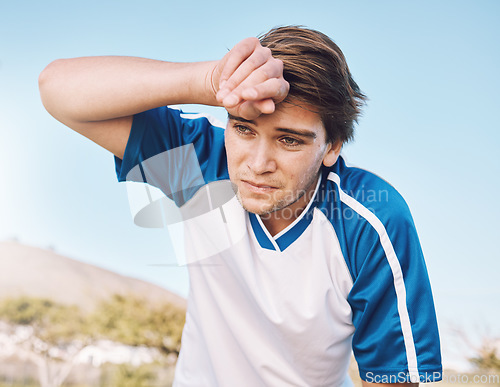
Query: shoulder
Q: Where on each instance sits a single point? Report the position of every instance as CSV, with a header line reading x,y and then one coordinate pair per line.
x,y
174,151
366,193
367,213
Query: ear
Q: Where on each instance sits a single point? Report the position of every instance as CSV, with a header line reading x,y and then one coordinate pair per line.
x,y
332,154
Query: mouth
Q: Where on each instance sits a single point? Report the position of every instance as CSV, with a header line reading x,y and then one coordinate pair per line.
x,y
258,187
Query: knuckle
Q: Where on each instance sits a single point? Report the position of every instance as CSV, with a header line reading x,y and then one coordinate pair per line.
x,y
276,87
253,40
277,71
270,70
278,63
275,83
255,60
283,89
265,55
250,42
266,51
259,58
265,73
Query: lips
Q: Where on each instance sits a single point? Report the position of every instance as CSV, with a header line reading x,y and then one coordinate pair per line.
x,y
258,187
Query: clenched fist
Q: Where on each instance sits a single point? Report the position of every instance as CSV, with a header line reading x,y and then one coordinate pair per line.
x,y
248,81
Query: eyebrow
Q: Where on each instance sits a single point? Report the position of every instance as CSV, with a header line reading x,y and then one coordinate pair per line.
x,y
234,118
297,132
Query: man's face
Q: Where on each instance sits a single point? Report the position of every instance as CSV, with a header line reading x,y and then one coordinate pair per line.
x,y
274,160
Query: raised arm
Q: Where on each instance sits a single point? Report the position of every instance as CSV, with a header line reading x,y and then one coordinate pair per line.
x,y
97,96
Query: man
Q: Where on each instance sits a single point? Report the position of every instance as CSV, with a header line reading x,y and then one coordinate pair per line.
x,y
312,257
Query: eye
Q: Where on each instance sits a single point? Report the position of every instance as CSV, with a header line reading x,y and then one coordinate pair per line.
x,y
290,141
242,130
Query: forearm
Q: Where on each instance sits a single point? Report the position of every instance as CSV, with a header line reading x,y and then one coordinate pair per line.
x,y
101,88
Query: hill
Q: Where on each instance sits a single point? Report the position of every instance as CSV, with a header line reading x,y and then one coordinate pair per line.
x,y
36,272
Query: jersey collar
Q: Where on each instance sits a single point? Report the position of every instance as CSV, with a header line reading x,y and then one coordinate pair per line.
x,y
290,234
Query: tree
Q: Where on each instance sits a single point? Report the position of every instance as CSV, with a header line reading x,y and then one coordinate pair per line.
x,y
486,358
128,376
52,334
48,333
135,321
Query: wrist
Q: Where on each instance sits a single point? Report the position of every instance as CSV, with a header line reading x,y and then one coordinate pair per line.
x,y
211,83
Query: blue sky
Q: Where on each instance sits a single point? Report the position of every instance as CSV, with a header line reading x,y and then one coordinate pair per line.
x,y
429,69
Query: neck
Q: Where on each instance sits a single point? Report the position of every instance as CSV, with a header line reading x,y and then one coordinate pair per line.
x,y
278,220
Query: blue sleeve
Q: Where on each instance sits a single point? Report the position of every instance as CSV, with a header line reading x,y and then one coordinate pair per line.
x,y
396,335
174,151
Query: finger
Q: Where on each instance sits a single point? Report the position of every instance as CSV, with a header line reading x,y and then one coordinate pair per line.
x,y
260,60
265,106
275,89
273,68
253,109
256,68
248,89
249,110
233,59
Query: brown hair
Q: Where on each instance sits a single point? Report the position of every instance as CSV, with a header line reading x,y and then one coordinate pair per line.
x,y
318,75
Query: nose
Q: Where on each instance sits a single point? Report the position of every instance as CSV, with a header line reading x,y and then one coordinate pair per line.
x,y
261,158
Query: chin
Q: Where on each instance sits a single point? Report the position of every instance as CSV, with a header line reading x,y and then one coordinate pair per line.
x,y
256,206
260,207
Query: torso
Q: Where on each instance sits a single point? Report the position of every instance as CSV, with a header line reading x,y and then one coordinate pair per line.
x,y
269,317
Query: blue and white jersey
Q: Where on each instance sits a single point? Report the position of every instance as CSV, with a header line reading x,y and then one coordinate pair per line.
x,y
285,310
